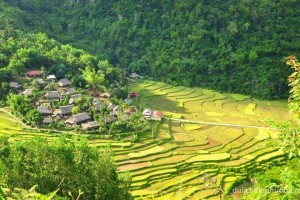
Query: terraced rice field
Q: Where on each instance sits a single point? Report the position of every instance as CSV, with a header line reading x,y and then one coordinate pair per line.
x,y
186,150
170,163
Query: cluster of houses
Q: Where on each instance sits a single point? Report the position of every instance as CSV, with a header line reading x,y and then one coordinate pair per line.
x,y
64,113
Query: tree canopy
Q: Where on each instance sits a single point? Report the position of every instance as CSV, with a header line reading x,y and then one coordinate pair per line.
x,y
224,45
64,165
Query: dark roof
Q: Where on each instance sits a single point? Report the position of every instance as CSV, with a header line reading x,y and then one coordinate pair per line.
x,y
64,82
34,73
78,119
90,125
53,95
66,109
44,110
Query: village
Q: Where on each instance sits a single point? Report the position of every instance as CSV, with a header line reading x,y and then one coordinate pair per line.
x,y
58,101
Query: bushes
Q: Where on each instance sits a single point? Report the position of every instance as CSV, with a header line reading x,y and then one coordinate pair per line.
x,y
75,164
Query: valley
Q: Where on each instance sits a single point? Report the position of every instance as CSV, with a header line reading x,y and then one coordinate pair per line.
x,y
171,160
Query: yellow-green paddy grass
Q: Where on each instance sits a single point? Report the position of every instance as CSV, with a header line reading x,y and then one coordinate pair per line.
x,y
185,150
170,163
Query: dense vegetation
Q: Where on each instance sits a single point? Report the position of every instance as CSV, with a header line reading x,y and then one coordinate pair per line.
x,y
68,166
282,182
225,45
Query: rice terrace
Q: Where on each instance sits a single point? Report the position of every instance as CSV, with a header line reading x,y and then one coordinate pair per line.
x,y
207,141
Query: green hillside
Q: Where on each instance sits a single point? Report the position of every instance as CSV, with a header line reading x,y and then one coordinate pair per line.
x,y
233,46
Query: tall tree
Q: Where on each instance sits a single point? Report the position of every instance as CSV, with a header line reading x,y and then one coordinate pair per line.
x,y
95,79
68,166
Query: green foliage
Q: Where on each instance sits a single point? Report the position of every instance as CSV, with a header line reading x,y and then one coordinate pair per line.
x,y
1,194
94,79
34,117
19,104
294,78
222,45
22,194
71,166
282,180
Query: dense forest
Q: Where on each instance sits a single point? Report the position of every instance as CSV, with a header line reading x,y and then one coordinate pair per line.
x,y
234,46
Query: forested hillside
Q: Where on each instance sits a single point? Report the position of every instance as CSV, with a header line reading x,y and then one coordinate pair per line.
x,y
234,46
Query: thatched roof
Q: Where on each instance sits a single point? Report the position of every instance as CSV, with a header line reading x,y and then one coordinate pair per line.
x,y
47,120
70,91
127,101
74,97
27,92
14,85
66,109
53,95
45,110
134,75
97,106
78,119
105,95
90,125
109,119
64,82
63,110
40,81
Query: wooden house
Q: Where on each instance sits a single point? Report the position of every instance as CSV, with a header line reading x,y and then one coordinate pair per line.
x,y
128,101
133,94
90,125
64,82
44,110
74,97
78,119
147,113
53,95
34,73
51,77
14,85
156,115
69,91
47,121
63,110
27,92
134,75
40,81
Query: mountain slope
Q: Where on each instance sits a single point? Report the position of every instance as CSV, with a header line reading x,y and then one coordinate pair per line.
x,y
234,46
